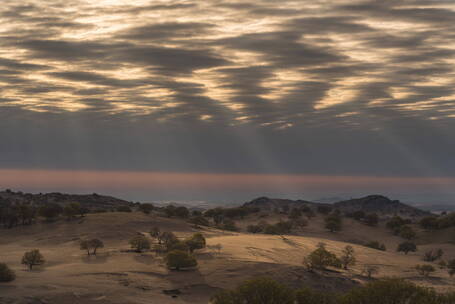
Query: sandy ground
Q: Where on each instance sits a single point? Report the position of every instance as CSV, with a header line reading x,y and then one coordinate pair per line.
x,y
117,275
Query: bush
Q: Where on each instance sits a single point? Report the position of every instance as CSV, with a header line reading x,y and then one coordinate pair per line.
x,y
425,270
256,291
33,258
321,258
168,238
407,247
429,223
155,232
407,232
395,224
432,255
6,274
146,208
123,209
197,241
139,243
376,245
178,259
92,244
333,223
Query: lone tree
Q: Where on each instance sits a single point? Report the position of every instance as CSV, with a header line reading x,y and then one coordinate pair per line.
x,y
407,232
333,223
425,270
197,241
321,258
348,257
32,258
177,259
6,274
139,243
92,244
256,291
407,247
369,270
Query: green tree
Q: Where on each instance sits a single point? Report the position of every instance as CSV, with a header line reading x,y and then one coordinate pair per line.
x,y
177,259
407,232
6,274
321,258
348,257
333,223
197,241
32,258
139,243
92,244
407,247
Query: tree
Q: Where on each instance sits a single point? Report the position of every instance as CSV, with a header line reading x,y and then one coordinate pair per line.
x,y
177,259
199,220
321,258
451,267
425,270
33,258
6,274
333,223
139,243
50,211
182,212
168,238
369,270
407,247
146,208
348,257
197,241
395,224
229,225
256,291
71,210
407,232
92,244
429,223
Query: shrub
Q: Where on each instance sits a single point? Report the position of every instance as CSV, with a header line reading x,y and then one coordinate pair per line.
x,y
321,258
92,244
123,209
168,238
139,243
407,232
197,241
32,258
146,208
369,270
395,224
376,245
178,259
348,257
333,223
71,210
256,291
6,274
432,255
407,247
155,232
425,270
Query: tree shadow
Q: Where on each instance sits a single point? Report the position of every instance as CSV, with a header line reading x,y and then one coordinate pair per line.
x,y
146,259
95,259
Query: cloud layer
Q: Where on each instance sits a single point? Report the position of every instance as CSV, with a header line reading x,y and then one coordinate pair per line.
x,y
340,87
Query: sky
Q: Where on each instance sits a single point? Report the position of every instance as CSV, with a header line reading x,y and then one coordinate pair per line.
x,y
227,100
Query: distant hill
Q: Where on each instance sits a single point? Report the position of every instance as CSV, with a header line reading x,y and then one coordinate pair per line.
x,y
91,201
378,204
369,204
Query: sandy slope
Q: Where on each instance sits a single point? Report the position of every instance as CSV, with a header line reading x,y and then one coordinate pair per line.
x,y
119,276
